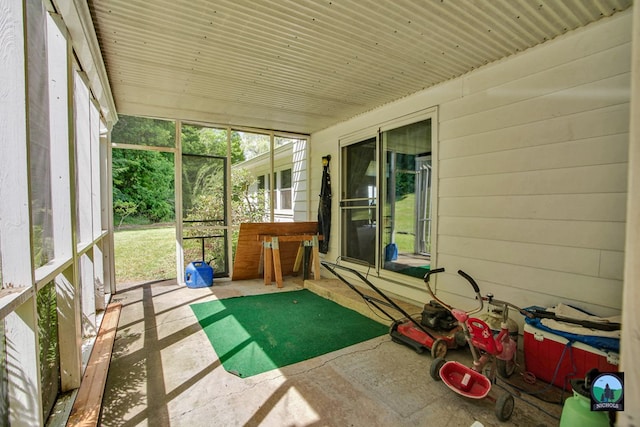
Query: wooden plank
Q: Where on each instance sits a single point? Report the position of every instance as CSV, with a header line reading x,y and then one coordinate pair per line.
x,y
274,244
277,266
247,257
86,408
268,261
291,237
299,258
315,258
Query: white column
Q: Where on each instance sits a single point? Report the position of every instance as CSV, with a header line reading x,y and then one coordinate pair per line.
x,y
631,293
63,189
17,271
107,214
177,162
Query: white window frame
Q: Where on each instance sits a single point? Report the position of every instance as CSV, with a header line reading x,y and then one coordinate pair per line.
x,y
375,131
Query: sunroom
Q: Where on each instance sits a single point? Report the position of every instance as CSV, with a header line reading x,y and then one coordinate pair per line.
x,y
495,137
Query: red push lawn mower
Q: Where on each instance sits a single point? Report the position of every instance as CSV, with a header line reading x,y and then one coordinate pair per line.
x,y
490,353
437,330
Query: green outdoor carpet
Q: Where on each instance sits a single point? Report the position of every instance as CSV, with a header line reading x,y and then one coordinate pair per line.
x,y
255,334
418,272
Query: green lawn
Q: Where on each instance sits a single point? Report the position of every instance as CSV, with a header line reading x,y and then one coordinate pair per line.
x,y
145,254
150,253
404,221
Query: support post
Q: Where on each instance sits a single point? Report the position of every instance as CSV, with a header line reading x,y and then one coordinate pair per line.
x,y
268,262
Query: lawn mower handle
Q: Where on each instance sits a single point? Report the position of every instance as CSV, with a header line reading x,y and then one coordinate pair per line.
x,y
469,279
460,272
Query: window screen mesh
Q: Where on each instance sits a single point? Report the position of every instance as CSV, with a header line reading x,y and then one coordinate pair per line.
x,y
39,157
49,350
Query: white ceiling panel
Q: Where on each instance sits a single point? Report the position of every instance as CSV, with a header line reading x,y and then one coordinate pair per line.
x,y
303,65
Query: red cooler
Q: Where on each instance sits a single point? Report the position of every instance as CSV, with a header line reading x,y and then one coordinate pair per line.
x,y
544,352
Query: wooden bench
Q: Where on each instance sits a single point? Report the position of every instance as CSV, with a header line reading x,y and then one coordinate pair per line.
x,y
86,407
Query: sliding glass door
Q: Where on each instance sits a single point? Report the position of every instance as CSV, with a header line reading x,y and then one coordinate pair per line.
x,y
407,206
386,201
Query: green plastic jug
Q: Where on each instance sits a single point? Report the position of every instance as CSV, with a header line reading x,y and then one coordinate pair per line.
x,y
577,412
577,409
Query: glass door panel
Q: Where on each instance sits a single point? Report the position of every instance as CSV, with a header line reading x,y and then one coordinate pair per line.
x,y
359,200
204,201
406,204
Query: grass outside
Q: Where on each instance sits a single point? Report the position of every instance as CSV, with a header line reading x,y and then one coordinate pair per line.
x,y
404,221
145,254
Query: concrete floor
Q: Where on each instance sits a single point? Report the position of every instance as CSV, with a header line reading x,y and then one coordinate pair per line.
x,y
164,372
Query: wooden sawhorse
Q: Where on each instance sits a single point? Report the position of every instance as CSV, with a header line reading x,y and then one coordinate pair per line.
x,y
272,262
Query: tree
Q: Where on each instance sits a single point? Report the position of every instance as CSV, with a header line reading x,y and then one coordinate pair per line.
x,y
144,179
246,206
144,131
250,144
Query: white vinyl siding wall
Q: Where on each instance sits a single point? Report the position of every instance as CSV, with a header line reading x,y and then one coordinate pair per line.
x,y
289,156
299,193
531,172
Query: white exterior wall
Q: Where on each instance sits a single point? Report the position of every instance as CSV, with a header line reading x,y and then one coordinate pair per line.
x,y
291,156
532,166
299,192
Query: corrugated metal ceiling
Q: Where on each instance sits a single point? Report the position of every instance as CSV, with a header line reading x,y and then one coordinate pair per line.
x,y
303,65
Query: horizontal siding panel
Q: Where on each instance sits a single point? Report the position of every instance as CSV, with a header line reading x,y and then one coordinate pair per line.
x,y
586,179
558,258
585,152
580,234
589,124
599,94
300,205
612,264
300,186
510,90
533,286
596,38
580,207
